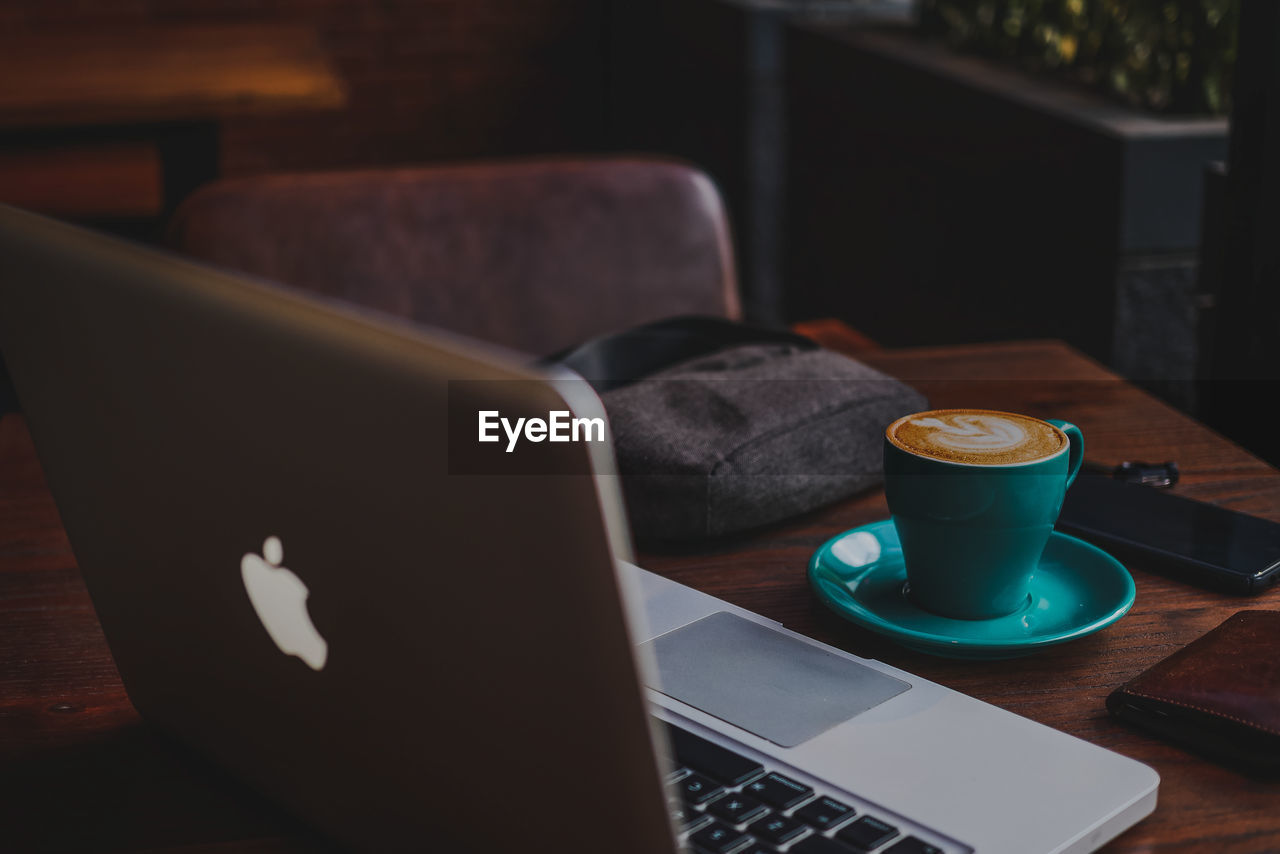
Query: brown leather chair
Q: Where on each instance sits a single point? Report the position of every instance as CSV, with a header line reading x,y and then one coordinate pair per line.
x,y
535,254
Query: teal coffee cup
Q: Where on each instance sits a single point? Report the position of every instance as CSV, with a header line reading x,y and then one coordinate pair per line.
x,y
974,494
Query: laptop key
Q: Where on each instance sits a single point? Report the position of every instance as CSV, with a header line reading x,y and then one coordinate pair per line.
x,y
778,791
686,817
711,759
866,833
759,848
824,813
778,829
718,838
736,808
912,845
816,844
696,789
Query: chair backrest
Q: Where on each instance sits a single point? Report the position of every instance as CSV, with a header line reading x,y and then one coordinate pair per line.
x,y
535,254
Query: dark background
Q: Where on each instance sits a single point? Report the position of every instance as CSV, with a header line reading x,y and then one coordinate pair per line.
x,y
428,79
857,188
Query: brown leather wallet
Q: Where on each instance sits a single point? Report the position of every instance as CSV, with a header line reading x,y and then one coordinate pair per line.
x,y
1219,695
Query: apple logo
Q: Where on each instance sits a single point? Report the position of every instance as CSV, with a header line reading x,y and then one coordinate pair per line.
x,y
280,599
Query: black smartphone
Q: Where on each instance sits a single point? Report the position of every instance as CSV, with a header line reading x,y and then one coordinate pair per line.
x,y
1196,542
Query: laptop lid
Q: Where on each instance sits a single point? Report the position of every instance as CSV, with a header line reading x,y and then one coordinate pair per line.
x,y
203,434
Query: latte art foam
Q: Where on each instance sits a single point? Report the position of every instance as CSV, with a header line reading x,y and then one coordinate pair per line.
x,y
976,436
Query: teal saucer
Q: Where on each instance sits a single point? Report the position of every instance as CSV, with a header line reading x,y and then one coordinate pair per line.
x,y
1077,590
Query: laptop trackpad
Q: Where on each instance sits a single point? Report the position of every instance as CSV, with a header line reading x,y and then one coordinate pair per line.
x,y
770,684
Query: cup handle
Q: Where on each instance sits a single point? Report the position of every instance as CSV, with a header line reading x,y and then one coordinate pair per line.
x,y
1077,447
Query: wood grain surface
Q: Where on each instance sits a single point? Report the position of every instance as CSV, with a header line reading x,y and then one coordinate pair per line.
x,y
80,772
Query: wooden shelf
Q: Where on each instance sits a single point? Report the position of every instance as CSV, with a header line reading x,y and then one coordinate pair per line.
x,y
164,74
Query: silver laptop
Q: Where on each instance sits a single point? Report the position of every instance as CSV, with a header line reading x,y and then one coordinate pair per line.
x,y
296,577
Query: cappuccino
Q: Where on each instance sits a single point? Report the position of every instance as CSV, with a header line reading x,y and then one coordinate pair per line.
x,y
976,436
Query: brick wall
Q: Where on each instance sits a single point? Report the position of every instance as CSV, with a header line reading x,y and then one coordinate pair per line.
x,y
428,79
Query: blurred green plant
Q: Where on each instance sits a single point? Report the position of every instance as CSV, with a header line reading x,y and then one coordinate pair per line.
x,y
1169,56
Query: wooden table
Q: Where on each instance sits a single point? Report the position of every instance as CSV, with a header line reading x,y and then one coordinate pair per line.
x,y
80,772
111,122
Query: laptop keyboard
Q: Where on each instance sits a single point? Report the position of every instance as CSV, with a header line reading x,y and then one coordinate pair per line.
x,y
727,803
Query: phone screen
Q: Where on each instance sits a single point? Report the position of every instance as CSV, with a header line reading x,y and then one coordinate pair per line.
x,y
1202,540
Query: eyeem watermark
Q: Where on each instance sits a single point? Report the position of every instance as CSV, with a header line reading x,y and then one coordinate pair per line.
x,y
523,427
558,426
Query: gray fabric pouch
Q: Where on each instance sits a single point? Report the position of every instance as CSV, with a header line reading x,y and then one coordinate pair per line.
x,y
749,435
